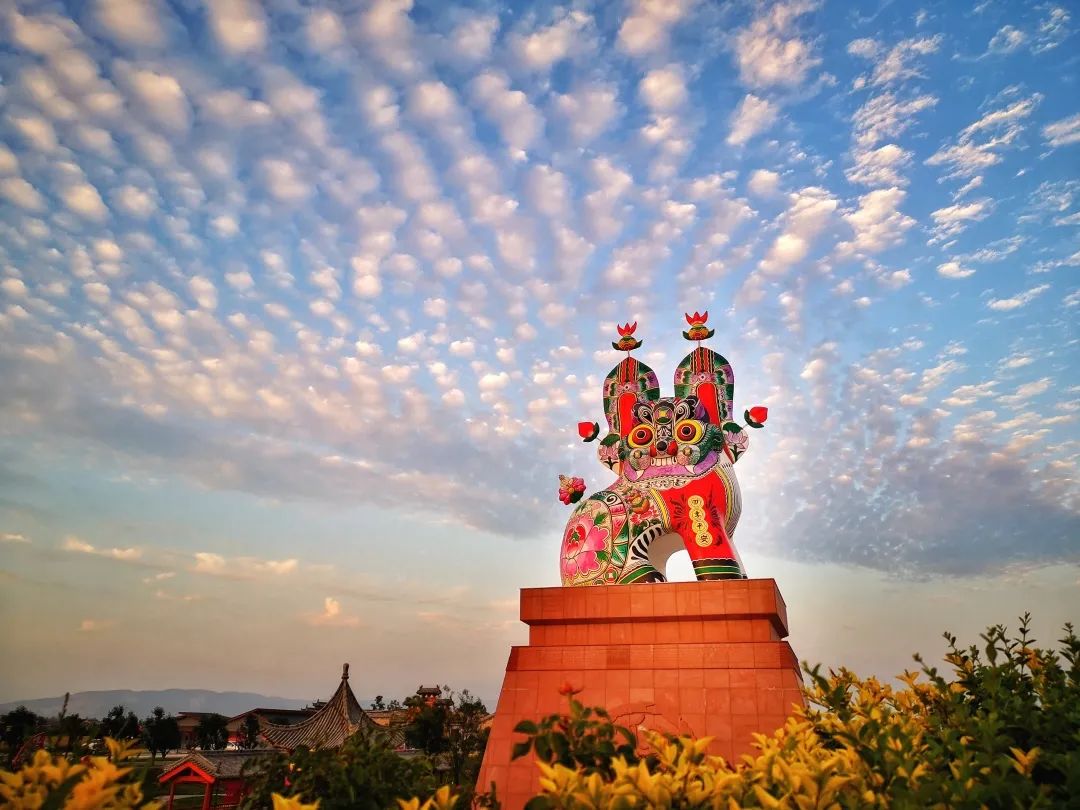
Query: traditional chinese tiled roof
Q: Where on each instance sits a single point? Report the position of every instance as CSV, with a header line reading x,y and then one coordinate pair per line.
x,y
215,764
335,721
261,713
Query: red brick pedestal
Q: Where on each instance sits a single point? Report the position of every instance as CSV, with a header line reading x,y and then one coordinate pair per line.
x,y
704,659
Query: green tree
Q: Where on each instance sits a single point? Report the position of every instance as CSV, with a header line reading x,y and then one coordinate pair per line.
x,y
248,734
365,773
378,705
212,733
118,725
466,738
16,726
69,731
161,733
451,731
426,730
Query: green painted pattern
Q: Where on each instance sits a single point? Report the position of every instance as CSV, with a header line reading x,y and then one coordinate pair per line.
x,y
636,574
711,567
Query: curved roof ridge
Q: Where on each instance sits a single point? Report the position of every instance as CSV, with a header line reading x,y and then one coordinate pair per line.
x,y
329,706
333,723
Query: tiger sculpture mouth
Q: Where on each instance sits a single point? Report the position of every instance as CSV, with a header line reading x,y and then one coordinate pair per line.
x,y
670,466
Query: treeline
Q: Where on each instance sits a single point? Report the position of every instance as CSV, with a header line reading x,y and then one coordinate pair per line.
x,y
158,733
447,728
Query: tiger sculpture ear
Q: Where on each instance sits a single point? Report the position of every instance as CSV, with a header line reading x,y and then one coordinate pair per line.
x,y
708,376
630,382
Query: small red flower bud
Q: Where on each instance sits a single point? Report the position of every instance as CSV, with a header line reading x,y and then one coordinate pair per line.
x,y
759,413
588,430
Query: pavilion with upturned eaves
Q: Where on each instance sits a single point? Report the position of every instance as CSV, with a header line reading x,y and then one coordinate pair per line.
x,y
222,772
336,720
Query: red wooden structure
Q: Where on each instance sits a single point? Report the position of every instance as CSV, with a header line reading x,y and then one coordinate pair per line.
x,y
220,771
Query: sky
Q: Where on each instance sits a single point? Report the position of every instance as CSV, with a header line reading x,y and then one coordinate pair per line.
x,y
300,306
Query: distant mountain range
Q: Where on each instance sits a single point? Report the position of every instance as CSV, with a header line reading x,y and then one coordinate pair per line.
x,y
142,702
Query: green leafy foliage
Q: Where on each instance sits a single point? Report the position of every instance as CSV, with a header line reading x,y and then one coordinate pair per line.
x,y
16,726
119,725
585,739
160,733
366,773
212,733
1001,728
426,730
450,730
248,735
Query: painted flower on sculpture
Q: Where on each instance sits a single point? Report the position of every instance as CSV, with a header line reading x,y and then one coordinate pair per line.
x,y
609,455
698,329
739,440
570,489
580,548
627,342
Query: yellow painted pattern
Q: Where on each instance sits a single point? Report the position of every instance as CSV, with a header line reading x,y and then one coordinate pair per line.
x,y
700,525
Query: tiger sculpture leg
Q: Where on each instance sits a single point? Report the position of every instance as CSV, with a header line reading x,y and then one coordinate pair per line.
x,y
613,535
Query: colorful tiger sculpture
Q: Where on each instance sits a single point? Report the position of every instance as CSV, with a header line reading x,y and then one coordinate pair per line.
x,y
676,485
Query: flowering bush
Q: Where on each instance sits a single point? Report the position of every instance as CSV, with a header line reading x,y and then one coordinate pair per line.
x,y
585,740
1003,731
50,782
92,783
365,773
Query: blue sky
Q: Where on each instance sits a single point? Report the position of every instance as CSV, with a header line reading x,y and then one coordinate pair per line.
x,y
300,305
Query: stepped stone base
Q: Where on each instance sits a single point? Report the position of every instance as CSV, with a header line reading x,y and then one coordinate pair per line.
x,y
705,659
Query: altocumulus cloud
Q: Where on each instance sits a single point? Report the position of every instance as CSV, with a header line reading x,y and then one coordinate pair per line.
x,y
375,258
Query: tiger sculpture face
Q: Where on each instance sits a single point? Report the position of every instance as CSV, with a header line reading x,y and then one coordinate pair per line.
x,y
671,436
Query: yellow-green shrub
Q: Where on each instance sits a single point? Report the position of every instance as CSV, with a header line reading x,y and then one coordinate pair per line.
x,y
56,782
93,783
1000,732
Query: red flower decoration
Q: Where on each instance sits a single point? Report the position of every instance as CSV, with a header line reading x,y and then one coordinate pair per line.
x,y
627,329
697,318
756,416
567,689
570,489
588,430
